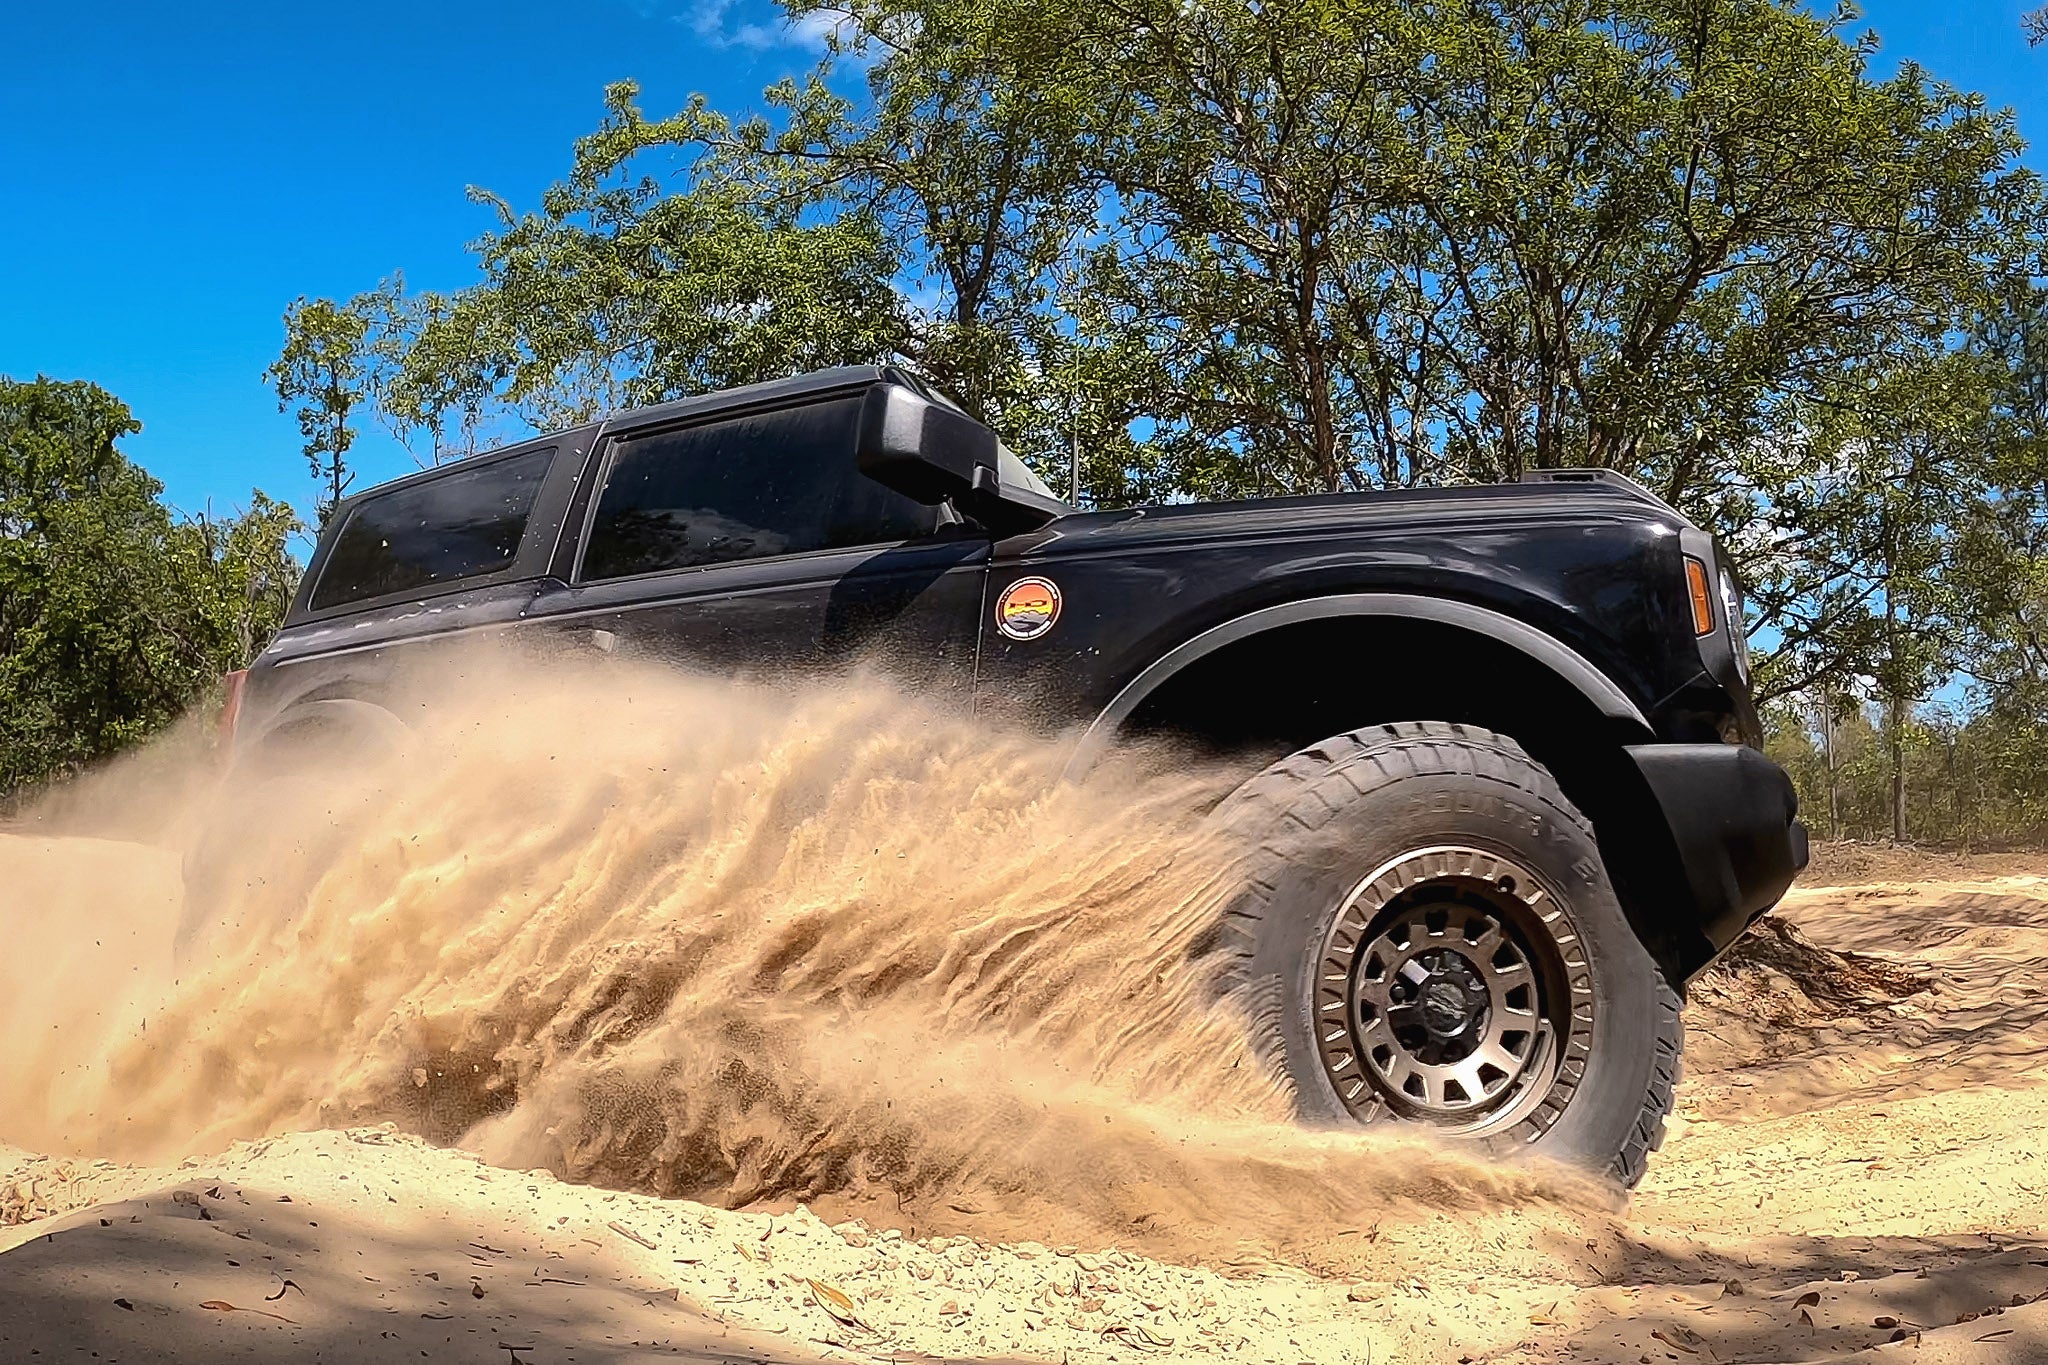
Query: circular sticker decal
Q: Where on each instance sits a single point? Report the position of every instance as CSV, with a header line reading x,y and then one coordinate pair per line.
x,y
1028,608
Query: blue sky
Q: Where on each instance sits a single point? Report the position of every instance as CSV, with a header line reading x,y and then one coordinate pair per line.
x,y
172,176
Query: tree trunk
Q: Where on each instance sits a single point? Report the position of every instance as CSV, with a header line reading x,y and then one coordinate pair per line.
x,y
1896,709
1898,718
1827,740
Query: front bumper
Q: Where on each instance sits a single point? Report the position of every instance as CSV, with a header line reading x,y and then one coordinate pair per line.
x,y
1733,818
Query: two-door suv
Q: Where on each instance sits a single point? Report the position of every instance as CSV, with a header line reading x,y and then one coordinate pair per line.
x,y
1503,796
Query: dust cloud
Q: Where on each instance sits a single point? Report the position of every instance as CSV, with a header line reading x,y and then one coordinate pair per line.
x,y
695,939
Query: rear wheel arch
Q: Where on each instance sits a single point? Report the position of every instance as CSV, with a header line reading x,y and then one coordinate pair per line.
x,y
315,722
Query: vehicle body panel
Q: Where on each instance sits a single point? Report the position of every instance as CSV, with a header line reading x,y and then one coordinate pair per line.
x,y
913,608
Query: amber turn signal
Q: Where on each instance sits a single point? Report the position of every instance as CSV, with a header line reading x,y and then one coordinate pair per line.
x,y
1702,599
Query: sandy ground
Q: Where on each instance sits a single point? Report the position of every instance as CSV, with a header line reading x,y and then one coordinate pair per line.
x,y
1856,1172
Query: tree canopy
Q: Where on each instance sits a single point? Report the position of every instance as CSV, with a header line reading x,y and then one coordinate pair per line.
x,y
114,613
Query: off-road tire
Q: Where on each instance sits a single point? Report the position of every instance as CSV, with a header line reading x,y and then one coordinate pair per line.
x,y
1313,829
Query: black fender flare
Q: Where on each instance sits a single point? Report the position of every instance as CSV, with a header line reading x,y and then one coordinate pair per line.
x,y
1560,659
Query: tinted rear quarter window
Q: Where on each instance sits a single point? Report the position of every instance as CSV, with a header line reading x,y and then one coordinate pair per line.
x,y
771,483
462,524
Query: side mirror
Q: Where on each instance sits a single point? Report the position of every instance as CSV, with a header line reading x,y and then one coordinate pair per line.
x,y
934,453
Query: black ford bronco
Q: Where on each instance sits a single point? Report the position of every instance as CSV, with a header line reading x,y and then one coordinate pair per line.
x,y
1503,783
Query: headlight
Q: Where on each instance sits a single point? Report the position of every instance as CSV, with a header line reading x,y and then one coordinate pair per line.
x,y
1738,635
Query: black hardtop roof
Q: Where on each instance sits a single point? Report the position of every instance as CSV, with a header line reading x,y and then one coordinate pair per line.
x,y
769,393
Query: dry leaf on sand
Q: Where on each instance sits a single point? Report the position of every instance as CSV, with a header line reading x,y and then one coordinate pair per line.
x,y
837,1303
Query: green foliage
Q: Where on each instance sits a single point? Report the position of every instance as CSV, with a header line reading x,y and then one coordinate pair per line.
x,y
1857,520
615,293
1681,224
1248,248
323,369
1969,781
114,615
1347,245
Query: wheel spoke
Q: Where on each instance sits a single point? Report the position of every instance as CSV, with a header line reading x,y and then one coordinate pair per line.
x,y
1432,1085
1501,980
1492,1054
1374,993
1467,1075
1489,941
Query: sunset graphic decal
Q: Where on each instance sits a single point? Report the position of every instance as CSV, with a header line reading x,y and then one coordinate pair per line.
x,y
1028,608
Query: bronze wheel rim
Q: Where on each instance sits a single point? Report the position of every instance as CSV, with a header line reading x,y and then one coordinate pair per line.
x,y
1453,989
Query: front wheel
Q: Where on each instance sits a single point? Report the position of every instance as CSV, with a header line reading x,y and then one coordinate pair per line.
x,y
1425,933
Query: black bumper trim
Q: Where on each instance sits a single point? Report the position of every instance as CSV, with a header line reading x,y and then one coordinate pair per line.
x,y
1733,817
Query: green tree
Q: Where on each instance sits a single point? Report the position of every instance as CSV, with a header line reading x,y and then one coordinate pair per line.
x,y
1855,552
1203,251
1680,223
114,614
616,292
1270,242
238,578
1391,244
323,369
1251,248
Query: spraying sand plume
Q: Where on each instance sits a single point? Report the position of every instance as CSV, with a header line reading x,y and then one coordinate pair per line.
x,y
737,944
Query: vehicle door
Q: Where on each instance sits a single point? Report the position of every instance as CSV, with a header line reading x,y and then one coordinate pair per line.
x,y
750,544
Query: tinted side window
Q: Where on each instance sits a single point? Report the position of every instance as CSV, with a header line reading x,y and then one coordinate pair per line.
x,y
463,524
774,483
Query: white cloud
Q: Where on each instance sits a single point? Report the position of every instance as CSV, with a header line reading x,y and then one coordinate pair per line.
x,y
707,18
814,30
715,22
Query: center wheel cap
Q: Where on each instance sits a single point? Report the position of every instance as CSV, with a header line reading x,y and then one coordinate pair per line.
x,y
1443,1008
1440,1005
